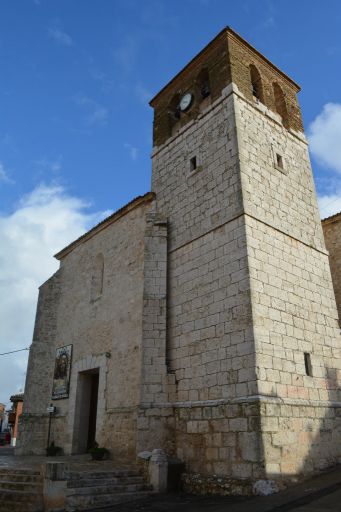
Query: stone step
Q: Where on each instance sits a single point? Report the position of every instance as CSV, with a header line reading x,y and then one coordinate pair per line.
x,y
19,496
15,477
75,475
90,502
19,506
21,486
106,489
88,482
19,471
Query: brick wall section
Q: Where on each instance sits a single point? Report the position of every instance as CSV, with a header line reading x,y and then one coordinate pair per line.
x,y
227,59
214,59
332,235
241,55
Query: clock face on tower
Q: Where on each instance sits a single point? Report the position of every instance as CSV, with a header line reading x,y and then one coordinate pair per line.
x,y
186,101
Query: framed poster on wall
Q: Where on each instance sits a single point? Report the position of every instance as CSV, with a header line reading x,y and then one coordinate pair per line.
x,y
62,371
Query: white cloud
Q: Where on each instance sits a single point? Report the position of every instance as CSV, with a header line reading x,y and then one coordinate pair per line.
x,y
53,166
329,204
107,85
44,222
60,37
4,177
133,151
324,135
97,115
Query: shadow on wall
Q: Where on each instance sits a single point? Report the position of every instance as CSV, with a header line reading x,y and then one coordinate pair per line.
x,y
308,438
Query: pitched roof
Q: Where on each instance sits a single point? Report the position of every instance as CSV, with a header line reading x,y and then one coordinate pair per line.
x,y
149,196
336,216
19,397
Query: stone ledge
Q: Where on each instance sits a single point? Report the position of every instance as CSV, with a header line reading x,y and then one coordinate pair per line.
x,y
241,400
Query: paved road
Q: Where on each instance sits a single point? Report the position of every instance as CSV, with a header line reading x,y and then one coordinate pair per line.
x,y
331,502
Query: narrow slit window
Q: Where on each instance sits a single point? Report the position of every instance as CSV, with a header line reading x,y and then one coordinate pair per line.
x,y
256,83
279,160
193,163
280,104
203,83
307,364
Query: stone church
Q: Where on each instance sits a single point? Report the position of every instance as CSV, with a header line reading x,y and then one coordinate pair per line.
x,y
200,318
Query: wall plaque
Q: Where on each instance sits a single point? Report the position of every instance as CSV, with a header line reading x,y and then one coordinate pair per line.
x,y
62,370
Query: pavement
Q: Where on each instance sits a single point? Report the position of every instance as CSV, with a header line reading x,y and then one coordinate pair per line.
x,y
321,493
6,450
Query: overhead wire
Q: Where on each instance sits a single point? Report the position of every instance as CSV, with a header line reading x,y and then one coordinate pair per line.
x,y
14,351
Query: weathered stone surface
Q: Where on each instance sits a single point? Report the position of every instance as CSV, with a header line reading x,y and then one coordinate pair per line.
x,y
215,329
332,235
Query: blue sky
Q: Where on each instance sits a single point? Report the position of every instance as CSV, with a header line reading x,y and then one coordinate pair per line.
x,y
75,126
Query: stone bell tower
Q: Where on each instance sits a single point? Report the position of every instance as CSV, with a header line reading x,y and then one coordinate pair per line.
x,y
252,345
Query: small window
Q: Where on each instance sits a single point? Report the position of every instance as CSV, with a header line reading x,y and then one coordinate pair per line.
x,y
193,163
307,364
279,160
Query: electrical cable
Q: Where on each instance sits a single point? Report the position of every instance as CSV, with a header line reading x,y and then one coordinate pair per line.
x,y
13,351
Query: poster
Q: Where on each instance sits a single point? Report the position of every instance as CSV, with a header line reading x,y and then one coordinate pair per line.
x,y
62,370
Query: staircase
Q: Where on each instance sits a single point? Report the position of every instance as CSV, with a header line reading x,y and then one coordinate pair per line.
x,y
21,490
98,489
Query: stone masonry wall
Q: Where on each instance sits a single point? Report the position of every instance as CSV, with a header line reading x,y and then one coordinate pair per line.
x,y
209,346
154,327
332,235
213,437
210,349
105,331
293,305
299,438
294,313
283,198
199,201
32,438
